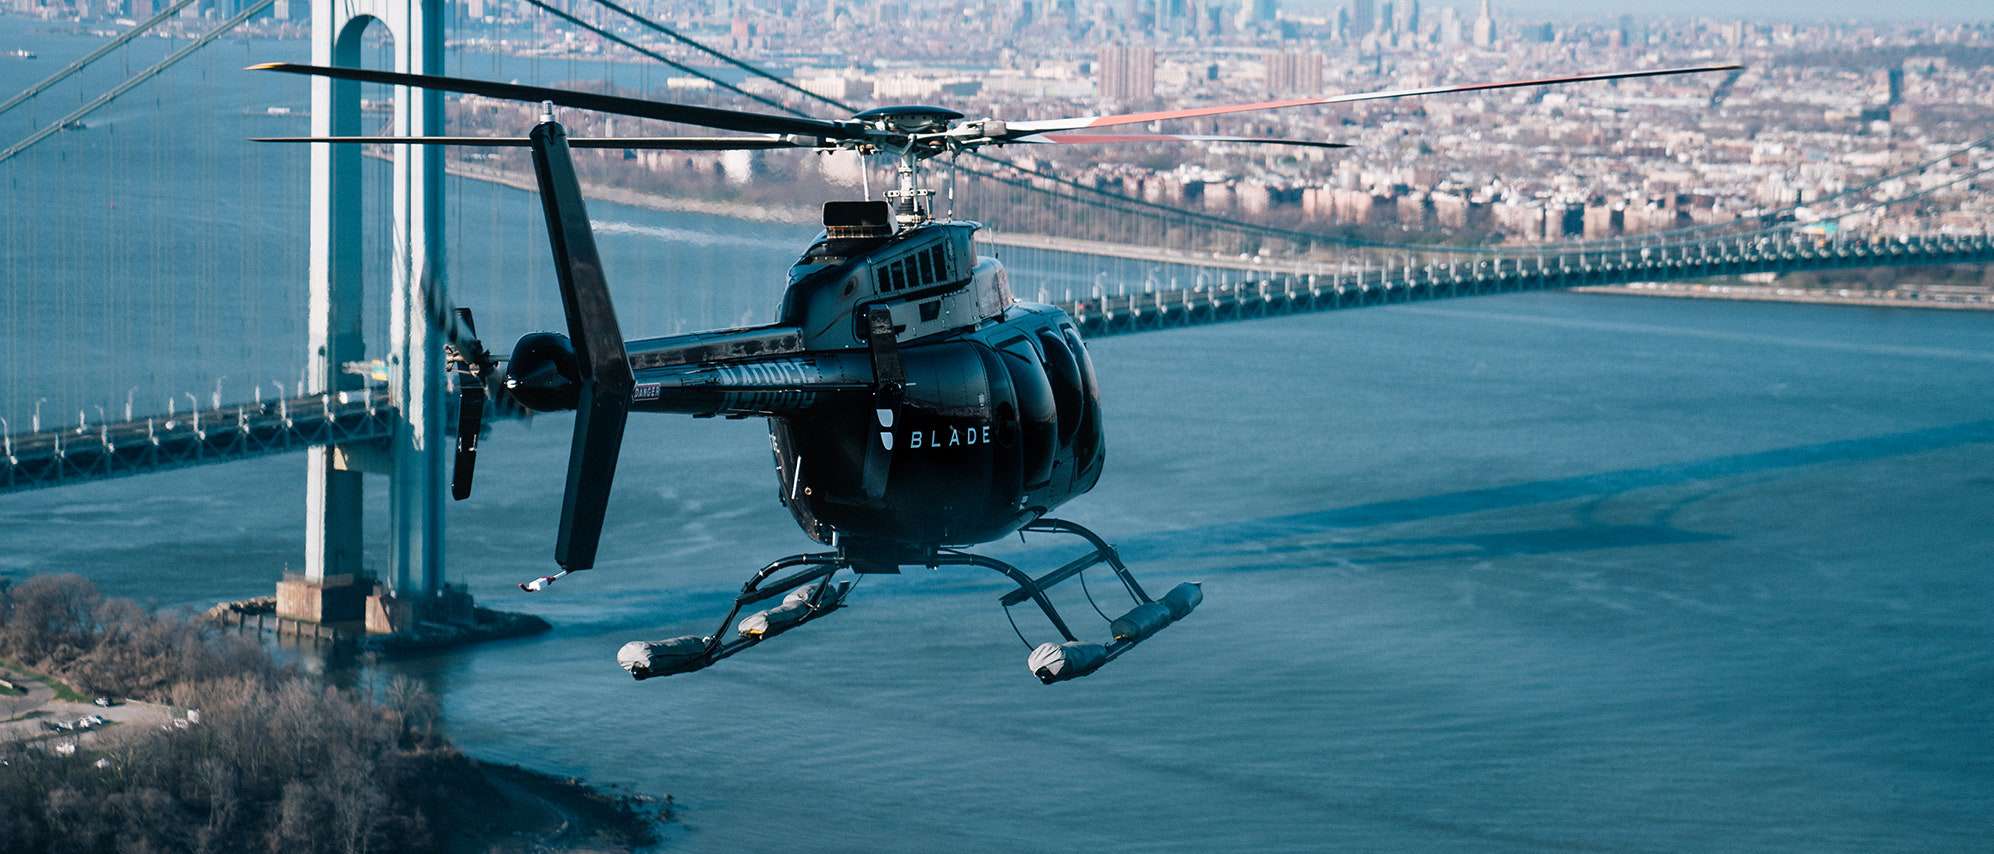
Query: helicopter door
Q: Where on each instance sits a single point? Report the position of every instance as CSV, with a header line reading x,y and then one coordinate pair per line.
x,y
1037,416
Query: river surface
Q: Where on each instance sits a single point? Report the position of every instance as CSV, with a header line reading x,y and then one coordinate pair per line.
x,y
1518,573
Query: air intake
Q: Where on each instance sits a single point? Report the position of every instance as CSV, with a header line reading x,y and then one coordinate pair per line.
x,y
849,220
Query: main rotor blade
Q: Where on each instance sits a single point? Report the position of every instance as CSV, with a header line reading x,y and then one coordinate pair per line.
x,y
674,143
1100,138
712,117
1016,129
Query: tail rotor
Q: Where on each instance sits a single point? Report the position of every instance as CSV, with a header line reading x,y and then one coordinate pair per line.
x,y
607,384
473,365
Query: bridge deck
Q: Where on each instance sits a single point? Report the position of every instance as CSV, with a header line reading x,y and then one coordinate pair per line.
x,y
1290,293
100,451
95,452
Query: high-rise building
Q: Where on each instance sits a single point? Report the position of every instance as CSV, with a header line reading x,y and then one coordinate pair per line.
x,y
1125,73
1450,27
1485,32
1257,13
1294,72
1363,17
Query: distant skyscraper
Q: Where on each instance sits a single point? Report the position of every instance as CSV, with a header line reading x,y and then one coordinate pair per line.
x,y
1450,27
1363,17
1125,73
1734,33
1485,27
1292,72
1256,13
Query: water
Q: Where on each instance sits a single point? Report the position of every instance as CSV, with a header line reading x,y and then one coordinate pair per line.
x,y
1518,573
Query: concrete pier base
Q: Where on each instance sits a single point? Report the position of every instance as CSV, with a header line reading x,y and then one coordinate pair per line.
x,y
337,602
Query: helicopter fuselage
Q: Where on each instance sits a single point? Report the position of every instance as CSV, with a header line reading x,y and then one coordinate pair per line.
x,y
998,426
994,421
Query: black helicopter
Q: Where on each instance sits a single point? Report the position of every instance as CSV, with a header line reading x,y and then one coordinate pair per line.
x,y
916,407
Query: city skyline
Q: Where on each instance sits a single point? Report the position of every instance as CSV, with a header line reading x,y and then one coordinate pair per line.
x,y
1824,10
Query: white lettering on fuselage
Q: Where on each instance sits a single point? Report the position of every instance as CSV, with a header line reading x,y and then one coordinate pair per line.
x,y
948,437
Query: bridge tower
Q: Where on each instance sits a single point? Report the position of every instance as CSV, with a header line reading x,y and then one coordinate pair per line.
x,y
335,588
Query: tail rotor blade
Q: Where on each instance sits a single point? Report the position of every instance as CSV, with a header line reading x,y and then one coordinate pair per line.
x,y
470,420
472,365
607,383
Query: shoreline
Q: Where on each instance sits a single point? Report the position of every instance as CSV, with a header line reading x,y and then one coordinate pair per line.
x,y
1910,298
549,812
105,701
1794,296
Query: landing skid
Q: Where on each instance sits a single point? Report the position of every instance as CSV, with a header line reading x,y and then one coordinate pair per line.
x,y
809,593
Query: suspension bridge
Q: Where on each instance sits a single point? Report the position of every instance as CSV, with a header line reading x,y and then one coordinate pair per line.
x,y
153,252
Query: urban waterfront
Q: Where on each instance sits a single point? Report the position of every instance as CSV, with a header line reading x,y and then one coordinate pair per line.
x,y
1518,572
1515,573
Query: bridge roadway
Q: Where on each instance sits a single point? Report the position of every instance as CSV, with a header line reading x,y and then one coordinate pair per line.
x,y
100,451
363,416
1295,293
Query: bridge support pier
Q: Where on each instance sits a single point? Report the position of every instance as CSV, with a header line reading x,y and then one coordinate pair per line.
x,y
413,459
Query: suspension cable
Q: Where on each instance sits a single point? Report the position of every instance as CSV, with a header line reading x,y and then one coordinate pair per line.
x,y
93,56
132,83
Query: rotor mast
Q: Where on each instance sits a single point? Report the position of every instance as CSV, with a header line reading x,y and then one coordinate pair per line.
x,y
911,201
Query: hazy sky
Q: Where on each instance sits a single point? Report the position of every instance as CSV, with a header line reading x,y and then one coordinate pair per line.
x,y
1895,9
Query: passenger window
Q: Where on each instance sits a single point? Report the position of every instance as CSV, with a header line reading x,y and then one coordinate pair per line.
x,y
1088,445
1088,383
1064,374
1038,420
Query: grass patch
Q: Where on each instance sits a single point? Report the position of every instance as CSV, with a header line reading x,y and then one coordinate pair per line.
x,y
62,690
